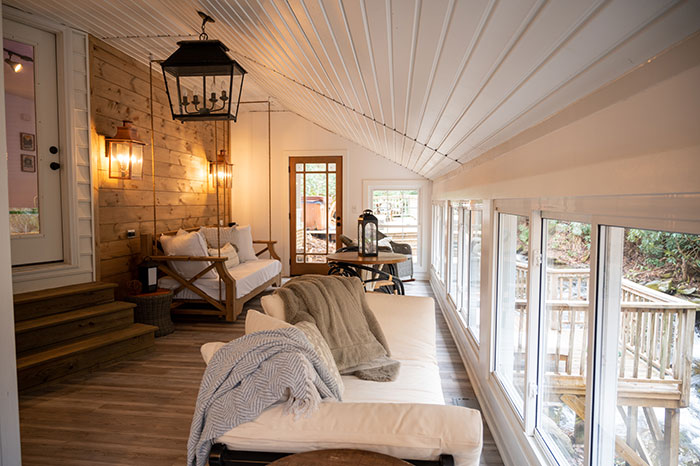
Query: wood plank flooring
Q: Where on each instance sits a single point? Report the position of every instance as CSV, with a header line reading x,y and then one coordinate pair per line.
x,y
138,412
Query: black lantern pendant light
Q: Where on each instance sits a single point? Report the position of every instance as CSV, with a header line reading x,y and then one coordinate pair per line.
x,y
367,238
202,81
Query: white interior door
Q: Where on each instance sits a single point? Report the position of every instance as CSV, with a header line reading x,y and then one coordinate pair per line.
x,y
33,156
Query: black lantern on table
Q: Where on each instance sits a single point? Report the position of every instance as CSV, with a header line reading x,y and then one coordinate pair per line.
x,y
202,81
148,276
367,237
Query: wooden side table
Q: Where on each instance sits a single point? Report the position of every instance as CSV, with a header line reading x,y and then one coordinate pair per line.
x,y
340,457
154,309
350,263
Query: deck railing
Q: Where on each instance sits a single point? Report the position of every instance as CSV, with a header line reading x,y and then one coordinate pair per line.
x,y
656,334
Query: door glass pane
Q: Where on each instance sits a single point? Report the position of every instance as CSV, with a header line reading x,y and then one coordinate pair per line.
x,y
315,222
331,167
454,253
300,167
658,379
474,275
299,212
20,124
565,316
332,212
315,167
511,315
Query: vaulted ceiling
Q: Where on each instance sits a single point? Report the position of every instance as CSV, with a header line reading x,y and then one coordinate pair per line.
x,y
429,84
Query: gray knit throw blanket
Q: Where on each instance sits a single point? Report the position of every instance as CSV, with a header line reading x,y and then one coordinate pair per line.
x,y
249,375
337,306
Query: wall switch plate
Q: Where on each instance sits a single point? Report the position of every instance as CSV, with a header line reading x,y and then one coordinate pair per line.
x,y
131,233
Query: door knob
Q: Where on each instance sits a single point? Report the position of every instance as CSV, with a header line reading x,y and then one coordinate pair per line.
x,y
54,165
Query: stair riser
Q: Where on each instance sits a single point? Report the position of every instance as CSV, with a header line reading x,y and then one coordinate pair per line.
x,y
69,331
55,369
36,309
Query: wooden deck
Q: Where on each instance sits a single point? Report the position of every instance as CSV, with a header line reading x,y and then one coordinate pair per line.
x,y
138,412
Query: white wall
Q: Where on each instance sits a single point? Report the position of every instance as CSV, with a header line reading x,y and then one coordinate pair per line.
x,y
638,135
292,136
9,412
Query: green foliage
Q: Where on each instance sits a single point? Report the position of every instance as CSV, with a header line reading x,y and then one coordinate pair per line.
x,y
660,248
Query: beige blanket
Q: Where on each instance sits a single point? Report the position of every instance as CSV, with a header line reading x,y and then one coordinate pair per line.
x,y
337,306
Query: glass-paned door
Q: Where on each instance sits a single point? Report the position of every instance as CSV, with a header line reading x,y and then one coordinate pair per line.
x,y
33,158
316,219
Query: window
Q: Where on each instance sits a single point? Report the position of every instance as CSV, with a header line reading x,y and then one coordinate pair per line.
x,y
653,279
454,253
474,273
438,259
511,308
397,213
564,311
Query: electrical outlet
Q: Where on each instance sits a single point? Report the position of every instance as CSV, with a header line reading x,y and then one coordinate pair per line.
x,y
131,233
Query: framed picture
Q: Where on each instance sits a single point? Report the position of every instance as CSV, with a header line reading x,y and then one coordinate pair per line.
x,y
28,162
26,141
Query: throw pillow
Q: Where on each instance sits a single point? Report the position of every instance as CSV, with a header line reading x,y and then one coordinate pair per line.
x,y
273,306
314,336
244,241
228,235
226,251
187,244
257,322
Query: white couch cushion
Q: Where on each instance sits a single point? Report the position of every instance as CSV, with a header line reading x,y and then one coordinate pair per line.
x,y
273,306
257,322
244,241
187,244
228,251
404,430
248,275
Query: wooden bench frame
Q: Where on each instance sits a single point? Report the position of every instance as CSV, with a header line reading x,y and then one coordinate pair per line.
x,y
228,307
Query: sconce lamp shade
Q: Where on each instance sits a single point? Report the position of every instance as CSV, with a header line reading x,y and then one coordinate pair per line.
x,y
202,81
125,153
367,237
221,172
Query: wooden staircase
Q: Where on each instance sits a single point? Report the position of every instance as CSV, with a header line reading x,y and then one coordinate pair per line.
x,y
71,329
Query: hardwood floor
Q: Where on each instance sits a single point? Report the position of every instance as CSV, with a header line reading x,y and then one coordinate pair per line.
x,y
138,412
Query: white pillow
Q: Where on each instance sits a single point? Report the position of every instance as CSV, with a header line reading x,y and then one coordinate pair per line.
x,y
257,322
273,306
226,251
187,244
313,334
228,235
244,241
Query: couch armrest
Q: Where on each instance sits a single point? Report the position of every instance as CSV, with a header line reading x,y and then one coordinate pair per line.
x,y
270,247
401,248
404,430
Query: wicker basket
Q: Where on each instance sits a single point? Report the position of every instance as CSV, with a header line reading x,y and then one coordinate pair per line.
x,y
154,309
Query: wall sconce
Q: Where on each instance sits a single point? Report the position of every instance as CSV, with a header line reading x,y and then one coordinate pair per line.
x,y
221,170
125,153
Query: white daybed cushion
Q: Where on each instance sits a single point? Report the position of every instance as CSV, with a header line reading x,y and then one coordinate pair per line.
x,y
257,322
248,276
404,430
187,244
228,251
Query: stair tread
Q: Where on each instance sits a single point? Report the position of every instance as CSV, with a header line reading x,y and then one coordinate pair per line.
x,y
86,344
42,295
71,316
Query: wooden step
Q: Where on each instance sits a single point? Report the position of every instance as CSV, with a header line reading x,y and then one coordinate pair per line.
x,y
56,328
66,298
86,354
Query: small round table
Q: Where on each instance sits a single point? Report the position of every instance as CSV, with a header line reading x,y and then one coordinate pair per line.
x,y
352,264
154,309
340,457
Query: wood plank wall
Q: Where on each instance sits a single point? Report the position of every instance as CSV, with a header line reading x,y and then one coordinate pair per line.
x,y
119,88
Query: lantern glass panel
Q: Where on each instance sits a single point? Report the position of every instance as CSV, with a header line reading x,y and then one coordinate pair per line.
x,y
370,238
119,159
136,161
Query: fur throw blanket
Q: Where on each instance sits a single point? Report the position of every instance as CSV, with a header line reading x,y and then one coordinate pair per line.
x,y
250,374
337,306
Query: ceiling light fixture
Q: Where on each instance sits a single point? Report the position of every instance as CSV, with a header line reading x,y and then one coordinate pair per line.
x,y
201,80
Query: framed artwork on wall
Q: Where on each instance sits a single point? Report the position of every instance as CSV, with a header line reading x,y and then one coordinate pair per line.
x,y
28,163
26,141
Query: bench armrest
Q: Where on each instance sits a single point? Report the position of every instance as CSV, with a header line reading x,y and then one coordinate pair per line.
x,y
187,258
270,246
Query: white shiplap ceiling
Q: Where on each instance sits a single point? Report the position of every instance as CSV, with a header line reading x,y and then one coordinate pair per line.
x,y
429,84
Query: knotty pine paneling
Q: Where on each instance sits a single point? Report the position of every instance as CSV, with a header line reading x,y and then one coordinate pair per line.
x,y
119,90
